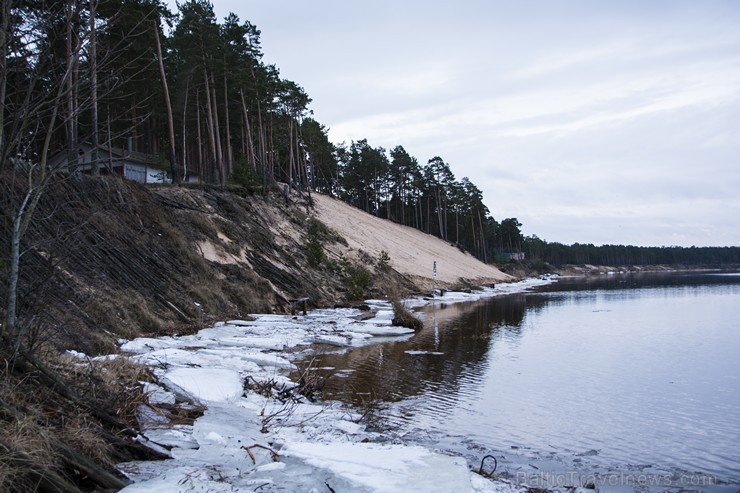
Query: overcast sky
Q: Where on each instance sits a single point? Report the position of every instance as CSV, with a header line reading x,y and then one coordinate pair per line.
x,y
589,121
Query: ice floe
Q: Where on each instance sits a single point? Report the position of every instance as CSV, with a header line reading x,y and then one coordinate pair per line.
x,y
258,434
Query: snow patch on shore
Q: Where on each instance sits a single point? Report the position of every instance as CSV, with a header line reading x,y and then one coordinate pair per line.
x,y
245,441
386,468
204,385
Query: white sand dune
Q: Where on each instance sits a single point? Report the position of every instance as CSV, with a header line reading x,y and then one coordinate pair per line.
x,y
411,251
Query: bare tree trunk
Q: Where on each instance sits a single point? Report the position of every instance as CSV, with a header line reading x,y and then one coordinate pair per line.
x,y
429,217
482,239
170,123
299,165
4,35
457,226
217,130
229,150
300,162
110,147
440,212
133,137
184,128
248,131
210,124
76,80
417,212
15,255
21,221
263,149
199,136
94,162
270,150
69,121
445,213
309,177
289,174
401,201
245,124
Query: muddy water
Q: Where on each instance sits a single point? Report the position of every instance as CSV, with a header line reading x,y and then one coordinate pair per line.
x,y
633,381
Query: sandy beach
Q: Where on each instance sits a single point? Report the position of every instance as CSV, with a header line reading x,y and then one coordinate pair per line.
x,y
411,251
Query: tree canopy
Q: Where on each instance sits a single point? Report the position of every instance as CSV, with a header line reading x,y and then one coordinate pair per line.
x,y
79,71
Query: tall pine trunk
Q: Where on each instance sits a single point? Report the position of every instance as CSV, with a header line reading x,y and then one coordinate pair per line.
x,y
110,143
440,212
94,158
217,131
4,35
248,131
457,226
211,127
199,137
482,239
69,122
291,164
229,150
170,123
184,132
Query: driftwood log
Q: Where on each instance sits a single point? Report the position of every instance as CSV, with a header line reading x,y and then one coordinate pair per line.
x,y
298,302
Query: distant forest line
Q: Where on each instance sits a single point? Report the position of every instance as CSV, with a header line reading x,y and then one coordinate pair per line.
x,y
625,255
198,100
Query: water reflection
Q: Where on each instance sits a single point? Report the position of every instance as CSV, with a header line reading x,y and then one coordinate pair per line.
x,y
620,371
457,337
453,342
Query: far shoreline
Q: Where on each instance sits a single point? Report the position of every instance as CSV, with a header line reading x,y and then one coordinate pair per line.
x,y
525,270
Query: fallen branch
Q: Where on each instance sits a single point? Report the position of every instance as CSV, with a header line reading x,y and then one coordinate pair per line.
x,y
402,317
273,454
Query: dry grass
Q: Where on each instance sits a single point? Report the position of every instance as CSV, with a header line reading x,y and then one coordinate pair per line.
x,y
35,419
24,440
83,434
27,435
21,456
120,379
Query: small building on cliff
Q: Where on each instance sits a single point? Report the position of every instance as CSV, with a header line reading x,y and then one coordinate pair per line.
x,y
134,166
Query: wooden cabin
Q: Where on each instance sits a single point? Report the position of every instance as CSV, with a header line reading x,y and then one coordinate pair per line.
x,y
134,166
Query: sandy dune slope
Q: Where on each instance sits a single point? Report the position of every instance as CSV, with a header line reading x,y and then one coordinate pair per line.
x,y
411,251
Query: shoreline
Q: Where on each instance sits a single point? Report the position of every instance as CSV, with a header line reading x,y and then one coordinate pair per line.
x,y
588,269
269,435
285,441
576,270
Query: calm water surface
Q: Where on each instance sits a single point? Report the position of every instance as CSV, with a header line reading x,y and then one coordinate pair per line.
x,y
631,377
